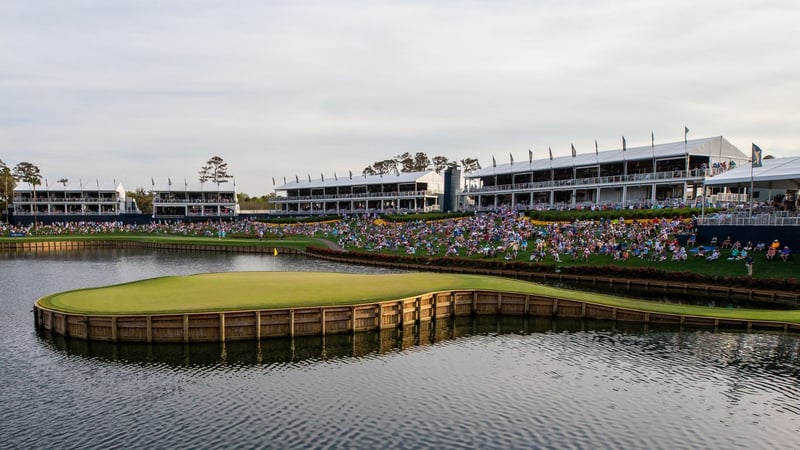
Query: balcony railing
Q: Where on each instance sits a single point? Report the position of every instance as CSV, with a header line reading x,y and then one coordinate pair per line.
x,y
694,174
43,201
323,212
172,201
367,195
777,218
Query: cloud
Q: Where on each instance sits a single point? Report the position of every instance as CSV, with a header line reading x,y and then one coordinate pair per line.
x,y
145,88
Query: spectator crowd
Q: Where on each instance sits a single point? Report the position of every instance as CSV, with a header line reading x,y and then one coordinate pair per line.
x,y
505,233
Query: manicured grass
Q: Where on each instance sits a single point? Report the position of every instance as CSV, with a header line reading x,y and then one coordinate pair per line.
x,y
776,268
264,290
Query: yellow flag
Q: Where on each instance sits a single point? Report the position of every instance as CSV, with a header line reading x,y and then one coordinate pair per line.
x,y
275,251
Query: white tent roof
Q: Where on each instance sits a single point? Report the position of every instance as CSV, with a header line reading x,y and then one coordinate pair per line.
x,y
75,186
358,180
180,185
779,173
717,147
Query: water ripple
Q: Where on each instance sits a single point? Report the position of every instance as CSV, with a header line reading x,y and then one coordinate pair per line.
x,y
495,383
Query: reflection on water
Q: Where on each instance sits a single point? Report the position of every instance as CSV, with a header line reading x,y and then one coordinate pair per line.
x,y
306,349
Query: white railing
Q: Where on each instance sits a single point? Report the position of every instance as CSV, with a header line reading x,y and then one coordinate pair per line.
x,y
367,195
591,181
778,218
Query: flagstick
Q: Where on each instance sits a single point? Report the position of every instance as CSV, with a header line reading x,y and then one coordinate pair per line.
x,y
752,161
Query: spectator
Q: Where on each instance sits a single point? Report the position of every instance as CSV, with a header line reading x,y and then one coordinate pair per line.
x,y
785,253
714,255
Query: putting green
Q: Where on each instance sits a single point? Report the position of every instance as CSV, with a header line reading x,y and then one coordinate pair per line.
x,y
232,291
262,290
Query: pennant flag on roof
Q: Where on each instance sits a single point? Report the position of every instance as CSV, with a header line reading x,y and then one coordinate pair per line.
x,y
756,156
530,156
573,150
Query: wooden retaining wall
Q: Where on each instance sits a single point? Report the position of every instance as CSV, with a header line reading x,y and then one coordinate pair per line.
x,y
51,246
274,323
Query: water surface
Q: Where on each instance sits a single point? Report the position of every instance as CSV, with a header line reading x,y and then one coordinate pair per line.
x,y
468,383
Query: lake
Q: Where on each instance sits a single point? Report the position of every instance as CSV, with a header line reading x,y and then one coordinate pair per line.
x,y
485,382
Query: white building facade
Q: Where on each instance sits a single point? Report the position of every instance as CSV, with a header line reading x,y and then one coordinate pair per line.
x,y
71,200
199,201
389,193
661,174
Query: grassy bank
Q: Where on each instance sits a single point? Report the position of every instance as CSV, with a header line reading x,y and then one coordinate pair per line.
x,y
265,290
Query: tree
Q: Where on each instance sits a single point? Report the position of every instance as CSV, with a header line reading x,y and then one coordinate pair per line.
x,y
144,200
381,167
439,163
215,170
470,165
419,162
7,183
29,173
252,203
422,162
63,181
406,162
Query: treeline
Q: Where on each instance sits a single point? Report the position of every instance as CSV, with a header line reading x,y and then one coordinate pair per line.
x,y
418,162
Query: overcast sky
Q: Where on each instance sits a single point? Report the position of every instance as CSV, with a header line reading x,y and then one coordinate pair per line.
x,y
134,89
